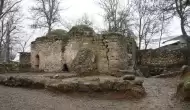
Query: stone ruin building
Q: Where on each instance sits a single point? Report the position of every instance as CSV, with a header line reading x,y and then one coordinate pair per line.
x,y
83,51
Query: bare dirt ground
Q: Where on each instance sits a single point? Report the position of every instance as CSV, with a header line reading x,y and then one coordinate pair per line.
x,y
160,96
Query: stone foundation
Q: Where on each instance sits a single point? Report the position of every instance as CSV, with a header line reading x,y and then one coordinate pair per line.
x,y
14,68
100,84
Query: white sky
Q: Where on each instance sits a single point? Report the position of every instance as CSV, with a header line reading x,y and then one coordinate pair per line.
x,y
77,8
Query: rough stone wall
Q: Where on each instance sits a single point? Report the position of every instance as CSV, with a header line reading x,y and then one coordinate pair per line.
x,y
74,45
112,53
163,58
14,68
25,57
47,55
155,62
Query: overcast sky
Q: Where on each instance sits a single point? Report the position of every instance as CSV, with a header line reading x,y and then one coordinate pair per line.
x,y
75,9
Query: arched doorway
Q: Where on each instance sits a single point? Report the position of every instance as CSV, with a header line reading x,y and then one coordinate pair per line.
x,y
37,62
65,68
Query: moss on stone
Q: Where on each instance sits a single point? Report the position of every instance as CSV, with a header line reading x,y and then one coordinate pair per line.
x,y
112,34
187,83
81,30
52,38
58,32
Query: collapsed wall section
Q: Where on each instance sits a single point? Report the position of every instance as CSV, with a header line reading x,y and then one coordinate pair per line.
x,y
74,45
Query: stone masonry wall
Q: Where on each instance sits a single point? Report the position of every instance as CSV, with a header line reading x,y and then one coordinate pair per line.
x,y
163,58
74,45
47,55
155,62
25,57
112,53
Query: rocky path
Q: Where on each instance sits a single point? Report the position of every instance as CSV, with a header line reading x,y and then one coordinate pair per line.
x,y
160,96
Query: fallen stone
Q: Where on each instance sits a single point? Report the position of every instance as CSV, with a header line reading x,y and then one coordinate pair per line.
x,y
56,76
129,77
184,69
138,92
138,82
183,90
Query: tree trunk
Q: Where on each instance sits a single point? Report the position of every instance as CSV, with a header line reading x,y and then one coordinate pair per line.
x,y
183,28
140,40
7,45
185,36
134,55
49,28
161,32
1,6
140,37
146,46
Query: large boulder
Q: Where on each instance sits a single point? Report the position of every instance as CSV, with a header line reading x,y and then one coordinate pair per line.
x,y
129,77
183,89
84,62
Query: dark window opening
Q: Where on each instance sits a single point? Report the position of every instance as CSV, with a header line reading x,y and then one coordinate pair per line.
x,y
65,68
37,61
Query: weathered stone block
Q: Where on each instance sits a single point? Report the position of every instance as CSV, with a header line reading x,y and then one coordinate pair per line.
x,y
84,62
129,77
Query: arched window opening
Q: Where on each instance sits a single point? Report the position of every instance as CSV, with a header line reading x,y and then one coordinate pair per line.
x,y
65,68
37,61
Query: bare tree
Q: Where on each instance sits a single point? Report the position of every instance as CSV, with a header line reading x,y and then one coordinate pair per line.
x,y
110,7
181,9
46,13
24,42
12,28
9,28
84,20
116,16
148,21
6,6
162,29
